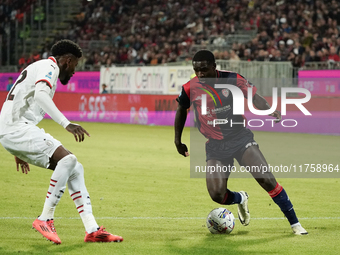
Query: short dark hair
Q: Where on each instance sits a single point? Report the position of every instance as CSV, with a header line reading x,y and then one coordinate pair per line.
x,y
64,47
204,55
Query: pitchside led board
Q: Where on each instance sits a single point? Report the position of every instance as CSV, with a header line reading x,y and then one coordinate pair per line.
x,y
81,82
166,80
302,112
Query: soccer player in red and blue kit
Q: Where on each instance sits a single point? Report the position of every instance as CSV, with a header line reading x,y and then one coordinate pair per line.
x,y
228,141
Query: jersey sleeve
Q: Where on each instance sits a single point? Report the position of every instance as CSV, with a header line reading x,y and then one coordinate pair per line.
x,y
184,97
46,103
244,84
47,73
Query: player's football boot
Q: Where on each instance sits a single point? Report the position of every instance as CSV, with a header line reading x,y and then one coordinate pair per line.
x,y
102,236
299,230
47,229
243,211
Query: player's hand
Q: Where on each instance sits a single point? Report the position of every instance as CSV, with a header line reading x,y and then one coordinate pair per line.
x,y
25,167
182,149
277,115
77,131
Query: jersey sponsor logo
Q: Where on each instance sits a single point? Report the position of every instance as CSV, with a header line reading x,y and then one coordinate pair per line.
x,y
220,109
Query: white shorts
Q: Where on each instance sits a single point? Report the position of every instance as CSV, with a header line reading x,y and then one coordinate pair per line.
x,y
31,144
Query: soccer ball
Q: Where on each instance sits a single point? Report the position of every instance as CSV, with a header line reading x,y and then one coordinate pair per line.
x,y
220,221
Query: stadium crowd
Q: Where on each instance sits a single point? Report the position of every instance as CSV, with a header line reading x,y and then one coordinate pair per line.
x,y
139,32
11,11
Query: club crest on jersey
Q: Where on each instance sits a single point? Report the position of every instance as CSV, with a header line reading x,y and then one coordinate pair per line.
x,y
225,92
48,142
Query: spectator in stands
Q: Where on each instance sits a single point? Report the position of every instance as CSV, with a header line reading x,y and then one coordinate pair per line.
x,y
311,57
247,55
104,91
219,41
260,55
39,16
276,56
108,62
132,55
332,55
154,59
295,59
35,56
290,45
307,39
45,53
9,84
282,48
233,56
320,55
24,61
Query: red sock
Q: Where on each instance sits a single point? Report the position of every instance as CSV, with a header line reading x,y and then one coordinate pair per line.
x,y
278,188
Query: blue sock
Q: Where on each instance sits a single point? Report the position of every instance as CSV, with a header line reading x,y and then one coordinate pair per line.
x,y
231,197
282,200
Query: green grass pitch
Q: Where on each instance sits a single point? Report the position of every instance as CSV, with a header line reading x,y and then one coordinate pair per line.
x,y
141,189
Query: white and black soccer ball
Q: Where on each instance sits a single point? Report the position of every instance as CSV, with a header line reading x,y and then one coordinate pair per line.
x,y
220,221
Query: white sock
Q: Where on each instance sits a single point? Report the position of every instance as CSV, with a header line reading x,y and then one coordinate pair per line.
x,y
295,224
242,198
57,186
81,198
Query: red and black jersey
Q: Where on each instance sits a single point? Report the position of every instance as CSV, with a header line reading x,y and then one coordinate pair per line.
x,y
219,104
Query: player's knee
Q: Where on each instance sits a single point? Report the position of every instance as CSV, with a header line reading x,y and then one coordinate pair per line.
x,y
217,195
267,184
70,160
79,168
77,171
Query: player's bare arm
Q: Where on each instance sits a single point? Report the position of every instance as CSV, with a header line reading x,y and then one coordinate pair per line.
x,y
181,116
78,131
25,167
262,104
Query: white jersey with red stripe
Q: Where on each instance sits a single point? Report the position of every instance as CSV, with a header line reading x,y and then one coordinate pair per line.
x,y
20,107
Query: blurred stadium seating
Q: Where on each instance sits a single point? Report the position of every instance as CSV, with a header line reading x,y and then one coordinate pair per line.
x,y
131,32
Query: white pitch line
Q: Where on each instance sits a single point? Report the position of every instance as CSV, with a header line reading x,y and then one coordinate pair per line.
x,y
164,218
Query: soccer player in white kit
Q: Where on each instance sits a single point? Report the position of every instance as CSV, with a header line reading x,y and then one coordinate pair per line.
x,y
25,106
